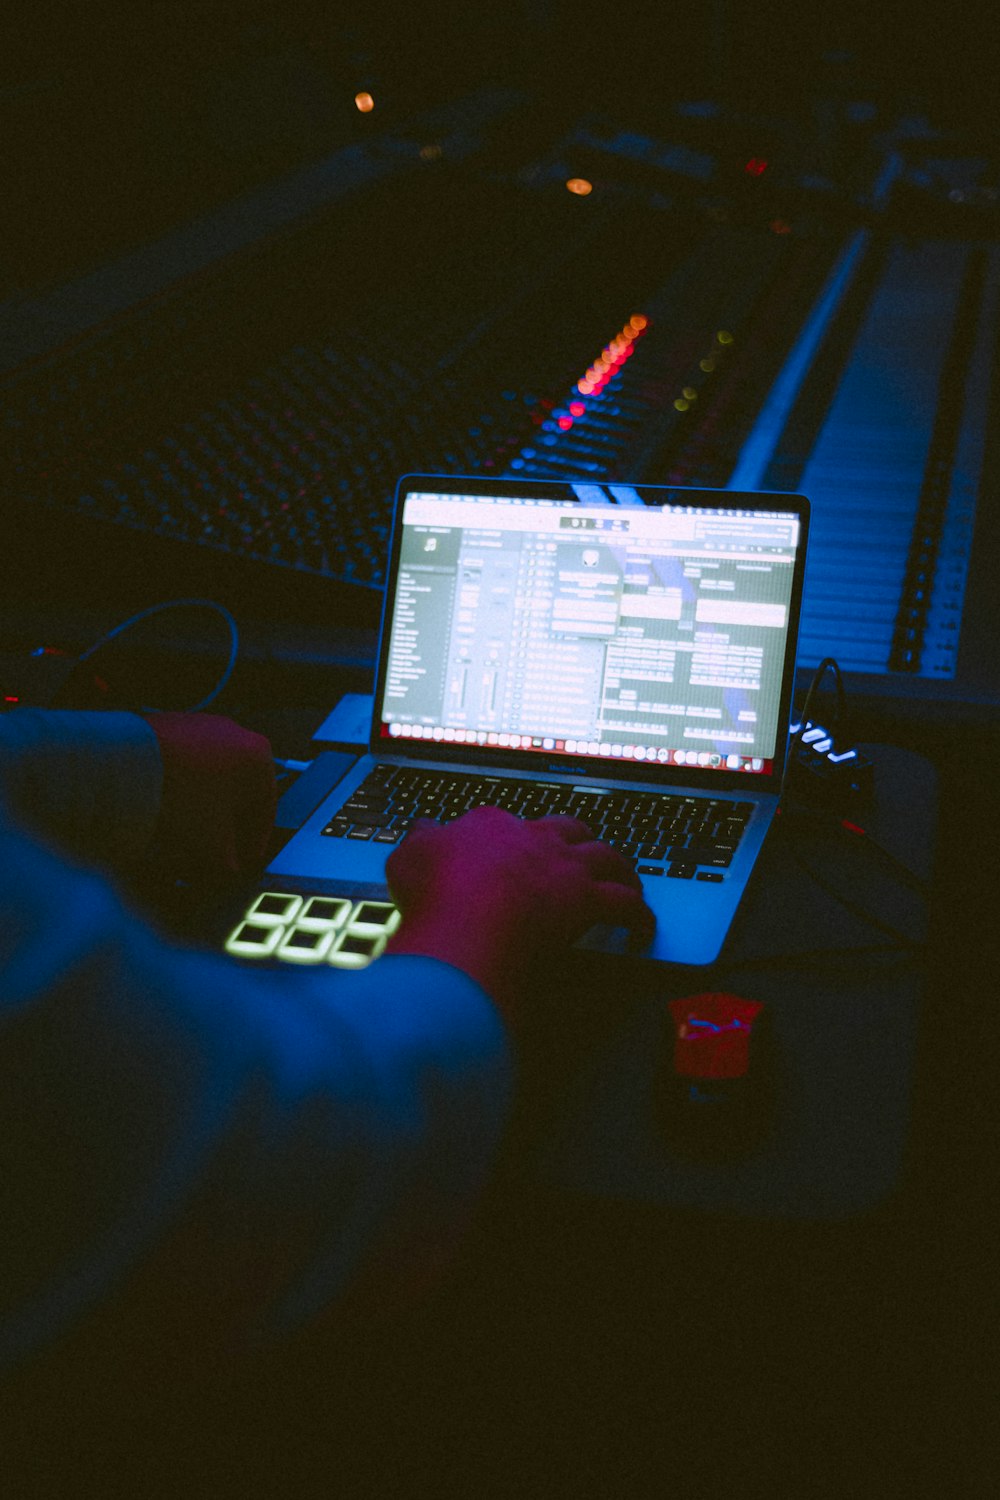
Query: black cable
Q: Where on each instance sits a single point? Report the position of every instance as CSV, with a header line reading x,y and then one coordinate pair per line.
x,y
833,819
902,938
155,609
899,867
828,664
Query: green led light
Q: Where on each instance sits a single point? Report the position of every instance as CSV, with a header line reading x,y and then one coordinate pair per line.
x,y
254,939
274,909
356,950
300,946
314,929
373,917
324,913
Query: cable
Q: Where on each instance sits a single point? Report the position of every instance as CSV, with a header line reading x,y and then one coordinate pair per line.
x,y
855,909
155,609
828,664
902,870
832,819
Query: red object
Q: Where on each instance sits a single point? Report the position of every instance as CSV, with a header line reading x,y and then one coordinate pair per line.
x,y
712,1034
756,166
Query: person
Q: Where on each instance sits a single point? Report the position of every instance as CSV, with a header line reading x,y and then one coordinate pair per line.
x,y
200,1158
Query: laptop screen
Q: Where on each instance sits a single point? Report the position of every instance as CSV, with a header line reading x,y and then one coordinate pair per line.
x,y
625,632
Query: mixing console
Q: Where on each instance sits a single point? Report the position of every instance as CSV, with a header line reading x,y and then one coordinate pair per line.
x,y
460,322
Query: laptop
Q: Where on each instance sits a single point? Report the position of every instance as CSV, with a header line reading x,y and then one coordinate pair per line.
x,y
622,653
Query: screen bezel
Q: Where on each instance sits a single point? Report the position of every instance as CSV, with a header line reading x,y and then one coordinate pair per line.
x,y
594,767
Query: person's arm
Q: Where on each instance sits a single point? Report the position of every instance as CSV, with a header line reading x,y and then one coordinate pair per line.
x,y
89,782
195,1156
194,792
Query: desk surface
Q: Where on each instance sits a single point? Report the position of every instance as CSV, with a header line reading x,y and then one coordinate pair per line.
x,y
844,1007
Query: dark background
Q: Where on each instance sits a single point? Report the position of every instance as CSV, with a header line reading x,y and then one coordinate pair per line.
x,y
119,120
847,1359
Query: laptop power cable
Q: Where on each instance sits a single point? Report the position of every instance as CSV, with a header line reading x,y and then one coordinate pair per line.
x,y
50,677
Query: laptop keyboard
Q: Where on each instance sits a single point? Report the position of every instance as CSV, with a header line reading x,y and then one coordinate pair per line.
x,y
680,836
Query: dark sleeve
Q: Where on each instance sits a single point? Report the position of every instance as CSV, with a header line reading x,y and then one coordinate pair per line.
x,y
91,782
236,1148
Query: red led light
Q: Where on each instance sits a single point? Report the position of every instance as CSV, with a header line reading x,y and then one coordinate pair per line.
x,y
609,361
565,423
577,408
756,166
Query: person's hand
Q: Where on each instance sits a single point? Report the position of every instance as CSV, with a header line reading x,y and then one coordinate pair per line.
x,y
491,893
219,796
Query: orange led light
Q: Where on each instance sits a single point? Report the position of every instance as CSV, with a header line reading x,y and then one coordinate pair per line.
x,y
609,362
364,102
580,186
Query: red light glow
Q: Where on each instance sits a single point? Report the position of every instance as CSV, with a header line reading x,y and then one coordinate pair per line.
x,y
756,166
607,364
565,423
